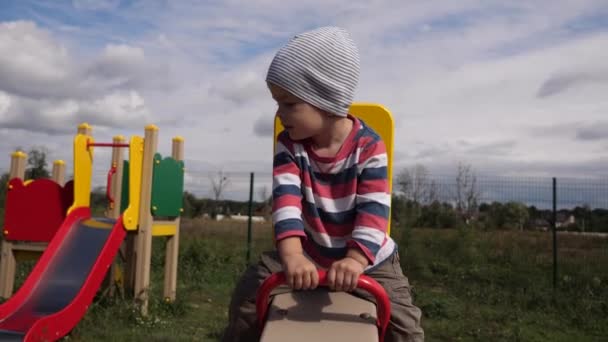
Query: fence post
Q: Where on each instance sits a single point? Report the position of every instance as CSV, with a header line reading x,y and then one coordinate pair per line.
x,y
554,233
249,221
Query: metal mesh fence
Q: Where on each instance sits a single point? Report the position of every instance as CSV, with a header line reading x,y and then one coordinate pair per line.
x,y
531,191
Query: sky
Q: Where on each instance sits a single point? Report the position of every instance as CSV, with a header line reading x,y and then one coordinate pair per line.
x,y
512,88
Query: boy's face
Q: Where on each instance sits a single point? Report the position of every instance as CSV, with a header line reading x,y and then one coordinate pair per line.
x,y
300,119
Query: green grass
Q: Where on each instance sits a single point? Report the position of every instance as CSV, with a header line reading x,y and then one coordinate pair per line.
x,y
498,285
471,286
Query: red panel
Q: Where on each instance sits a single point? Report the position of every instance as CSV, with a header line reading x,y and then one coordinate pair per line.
x,y
35,211
67,197
32,280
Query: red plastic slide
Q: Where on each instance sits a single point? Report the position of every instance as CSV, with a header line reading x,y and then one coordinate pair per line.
x,y
62,285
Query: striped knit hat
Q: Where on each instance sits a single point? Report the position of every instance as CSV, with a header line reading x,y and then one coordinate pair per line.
x,y
320,67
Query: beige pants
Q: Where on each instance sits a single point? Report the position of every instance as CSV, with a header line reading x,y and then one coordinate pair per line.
x,y
405,317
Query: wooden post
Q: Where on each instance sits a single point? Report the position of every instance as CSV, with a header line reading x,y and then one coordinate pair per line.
x,y
116,184
144,234
114,207
8,264
18,165
130,271
172,244
59,172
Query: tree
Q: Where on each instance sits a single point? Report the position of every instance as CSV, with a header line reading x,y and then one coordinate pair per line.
x,y
263,194
416,186
218,185
582,215
438,215
516,215
467,193
3,188
193,207
510,215
266,199
37,165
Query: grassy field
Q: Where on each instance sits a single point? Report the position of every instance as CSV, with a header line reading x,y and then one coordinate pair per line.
x,y
471,285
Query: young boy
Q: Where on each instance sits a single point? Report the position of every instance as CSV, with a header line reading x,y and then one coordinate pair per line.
x,y
330,190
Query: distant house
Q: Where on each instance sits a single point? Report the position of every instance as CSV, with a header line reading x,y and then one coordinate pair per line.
x,y
540,224
239,217
565,221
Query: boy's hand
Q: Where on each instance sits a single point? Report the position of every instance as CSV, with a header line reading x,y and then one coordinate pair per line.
x,y
300,272
344,274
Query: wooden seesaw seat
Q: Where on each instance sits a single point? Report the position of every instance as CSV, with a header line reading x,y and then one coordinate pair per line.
x,y
322,315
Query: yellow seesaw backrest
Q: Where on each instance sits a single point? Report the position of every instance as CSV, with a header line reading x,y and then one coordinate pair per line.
x,y
380,119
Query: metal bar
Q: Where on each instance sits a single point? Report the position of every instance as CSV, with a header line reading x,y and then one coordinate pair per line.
x,y
249,222
107,145
554,233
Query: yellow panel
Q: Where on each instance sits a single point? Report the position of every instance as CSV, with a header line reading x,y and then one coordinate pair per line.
x,y
97,224
136,155
163,229
379,118
83,171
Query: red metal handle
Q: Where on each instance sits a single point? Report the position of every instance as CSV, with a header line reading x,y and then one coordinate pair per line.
x,y
365,283
109,185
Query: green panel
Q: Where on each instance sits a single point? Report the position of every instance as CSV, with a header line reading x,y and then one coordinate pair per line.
x,y
124,197
167,186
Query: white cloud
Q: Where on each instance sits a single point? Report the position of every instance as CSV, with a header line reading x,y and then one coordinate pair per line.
x,y
36,65
44,88
491,101
117,109
565,80
124,67
93,5
593,132
5,103
239,87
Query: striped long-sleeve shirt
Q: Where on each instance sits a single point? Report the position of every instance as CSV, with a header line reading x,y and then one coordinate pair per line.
x,y
335,203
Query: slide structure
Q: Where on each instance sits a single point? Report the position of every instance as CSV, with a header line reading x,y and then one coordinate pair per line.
x,y
62,285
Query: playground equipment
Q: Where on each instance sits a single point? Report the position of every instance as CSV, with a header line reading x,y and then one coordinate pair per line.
x,y
160,206
317,314
29,235
29,243
58,291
